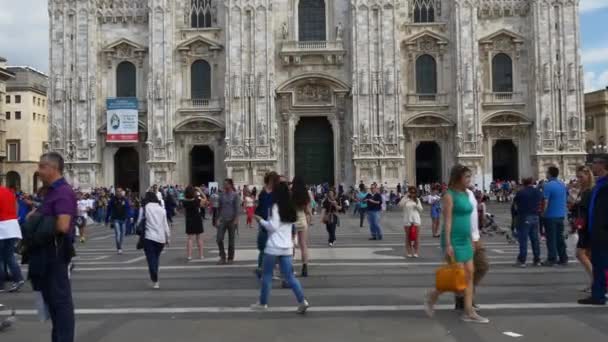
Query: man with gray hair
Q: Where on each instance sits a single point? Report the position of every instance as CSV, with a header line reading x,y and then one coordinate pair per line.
x,y
48,266
229,205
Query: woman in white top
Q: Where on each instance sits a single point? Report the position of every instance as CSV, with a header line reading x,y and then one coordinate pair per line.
x,y
411,219
280,246
156,234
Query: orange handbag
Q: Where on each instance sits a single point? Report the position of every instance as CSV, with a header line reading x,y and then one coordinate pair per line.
x,y
450,278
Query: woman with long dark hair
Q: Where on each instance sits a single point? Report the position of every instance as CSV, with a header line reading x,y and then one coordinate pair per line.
x,y
194,204
579,208
156,234
279,247
456,239
301,199
331,207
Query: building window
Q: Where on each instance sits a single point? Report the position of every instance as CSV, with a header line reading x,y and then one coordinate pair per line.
x,y
8,99
17,98
200,13
311,20
589,122
502,74
17,115
13,149
34,116
34,100
424,11
426,75
126,80
8,115
200,80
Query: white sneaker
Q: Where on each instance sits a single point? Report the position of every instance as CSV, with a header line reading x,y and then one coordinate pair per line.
x,y
303,307
202,257
428,306
119,251
259,307
156,286
189,258
409,255
415,255
474,318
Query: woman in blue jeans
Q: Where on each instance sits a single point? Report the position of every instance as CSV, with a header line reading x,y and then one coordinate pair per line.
x,y
279,247
156,234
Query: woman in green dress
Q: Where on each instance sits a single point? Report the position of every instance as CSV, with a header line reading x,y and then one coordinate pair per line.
x,y
456,239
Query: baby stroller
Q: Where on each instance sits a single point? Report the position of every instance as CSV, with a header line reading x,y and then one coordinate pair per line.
x,y
491,228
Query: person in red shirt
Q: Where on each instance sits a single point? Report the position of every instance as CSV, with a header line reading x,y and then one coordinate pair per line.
x,y
10,233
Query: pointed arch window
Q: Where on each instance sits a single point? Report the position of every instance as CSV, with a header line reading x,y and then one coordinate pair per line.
x,y
426,75
200,13
311,20
200,80
502,74
424,11
126,82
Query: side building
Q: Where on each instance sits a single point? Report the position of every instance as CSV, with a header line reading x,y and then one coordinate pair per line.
x,y
5,75
27,125
596,121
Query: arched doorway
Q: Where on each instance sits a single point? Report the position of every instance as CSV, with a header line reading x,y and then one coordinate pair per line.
x,y
505,165
126,169
314,150
13,180
428,163
202,166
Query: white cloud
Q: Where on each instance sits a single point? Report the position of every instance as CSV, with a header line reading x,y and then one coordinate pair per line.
x,y
24,36
595,55
596,80
589,5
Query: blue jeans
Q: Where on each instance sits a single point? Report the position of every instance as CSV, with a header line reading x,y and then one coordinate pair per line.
x,y
152,249
527,227
7,257
119,232
373,216
130,226
556,245
286,266
599,261
57,293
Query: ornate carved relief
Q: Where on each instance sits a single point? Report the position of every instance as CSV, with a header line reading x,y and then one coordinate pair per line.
x,y
313,94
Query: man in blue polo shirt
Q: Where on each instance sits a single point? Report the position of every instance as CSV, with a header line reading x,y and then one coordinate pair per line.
x,y
555,194
527,201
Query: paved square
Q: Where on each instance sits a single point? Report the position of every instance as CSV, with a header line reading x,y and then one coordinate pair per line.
x,y
359,291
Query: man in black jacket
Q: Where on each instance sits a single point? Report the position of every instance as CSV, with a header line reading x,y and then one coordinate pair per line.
x,y
597,225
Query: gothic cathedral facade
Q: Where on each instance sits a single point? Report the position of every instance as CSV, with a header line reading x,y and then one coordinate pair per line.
x,y
331,90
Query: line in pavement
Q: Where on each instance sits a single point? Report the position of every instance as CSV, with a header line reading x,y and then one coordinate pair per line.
x,y
351,308
329,264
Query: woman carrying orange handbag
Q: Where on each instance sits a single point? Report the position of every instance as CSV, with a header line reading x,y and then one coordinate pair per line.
x,y
456,240
411,219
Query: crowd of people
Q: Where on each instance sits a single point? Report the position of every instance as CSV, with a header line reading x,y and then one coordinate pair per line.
x,y
44,227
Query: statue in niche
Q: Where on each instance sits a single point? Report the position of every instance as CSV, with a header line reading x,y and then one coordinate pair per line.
x,y
354,144
92,90
158,133
81,131
546,77
391,130
364,130
214,14
468,77
470,128
558,79
58,89
261,85
375,89
571,77
262,133
82,89
539,141
93,149
388,78
547,124
158,88
237,86
573,123
363,79
237,132
339,31
284,31
271,87
56,133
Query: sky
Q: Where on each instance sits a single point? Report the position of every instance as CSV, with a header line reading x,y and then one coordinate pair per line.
x,y
24,37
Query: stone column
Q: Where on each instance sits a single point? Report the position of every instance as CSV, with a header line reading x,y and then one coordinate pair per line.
x,y
293,122
335,124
